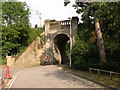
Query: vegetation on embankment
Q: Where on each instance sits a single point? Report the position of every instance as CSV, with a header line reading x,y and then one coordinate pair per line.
x,y
86,51
17,32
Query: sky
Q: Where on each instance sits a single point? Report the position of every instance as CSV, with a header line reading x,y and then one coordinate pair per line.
x,y
50,9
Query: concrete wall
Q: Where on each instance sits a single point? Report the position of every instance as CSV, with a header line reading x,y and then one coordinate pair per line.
x,y
31,56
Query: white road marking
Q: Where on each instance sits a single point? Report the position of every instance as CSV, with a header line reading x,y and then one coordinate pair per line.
x,y
12,80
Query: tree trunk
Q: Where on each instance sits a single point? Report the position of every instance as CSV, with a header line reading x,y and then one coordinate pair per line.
x,y
100,42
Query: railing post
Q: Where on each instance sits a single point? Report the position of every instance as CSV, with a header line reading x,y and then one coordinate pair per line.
x,y
89,70
111,75
98,71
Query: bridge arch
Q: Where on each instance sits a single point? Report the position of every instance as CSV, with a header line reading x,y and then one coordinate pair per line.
x,y
57,34
59,47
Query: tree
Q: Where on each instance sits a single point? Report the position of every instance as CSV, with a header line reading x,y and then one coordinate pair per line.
x,y
66,2
85,52
91,11
15,26
106,15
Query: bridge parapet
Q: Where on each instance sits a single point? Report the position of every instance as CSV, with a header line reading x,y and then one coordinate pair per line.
x,y
59,25
65,22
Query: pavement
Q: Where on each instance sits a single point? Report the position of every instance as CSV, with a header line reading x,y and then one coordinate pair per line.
x,y
13,71
50,76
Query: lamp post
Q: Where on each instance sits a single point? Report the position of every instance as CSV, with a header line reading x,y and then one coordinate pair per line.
x,y
39,14
70,41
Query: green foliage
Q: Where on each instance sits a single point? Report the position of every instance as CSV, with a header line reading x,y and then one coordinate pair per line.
x,y
3,62
15,26
110,66
16,31
34,32
53,20
21,50
112,51
80,47
85,51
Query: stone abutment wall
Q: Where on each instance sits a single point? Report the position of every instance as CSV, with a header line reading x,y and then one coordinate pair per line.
x,y
31,56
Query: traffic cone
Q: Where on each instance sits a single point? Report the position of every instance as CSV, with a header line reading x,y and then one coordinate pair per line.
x,y
7,73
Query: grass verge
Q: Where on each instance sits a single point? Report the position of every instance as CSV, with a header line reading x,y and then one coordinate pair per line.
x,y
99,78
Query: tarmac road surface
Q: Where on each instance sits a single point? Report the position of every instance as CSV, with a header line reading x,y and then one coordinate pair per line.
x,y
50,76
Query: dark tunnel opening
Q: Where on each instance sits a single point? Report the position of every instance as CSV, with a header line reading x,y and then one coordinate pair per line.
x,y
60,42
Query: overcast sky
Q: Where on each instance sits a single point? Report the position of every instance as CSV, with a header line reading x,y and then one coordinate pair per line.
x,y
50,9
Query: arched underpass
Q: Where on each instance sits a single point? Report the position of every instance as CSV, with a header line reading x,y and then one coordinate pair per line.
x,y
60,41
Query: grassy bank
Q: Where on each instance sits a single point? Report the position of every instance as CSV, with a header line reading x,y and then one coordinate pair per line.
x,y
99,78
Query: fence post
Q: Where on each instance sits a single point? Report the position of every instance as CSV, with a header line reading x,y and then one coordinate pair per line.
x,y
111,75
89,70
98,71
